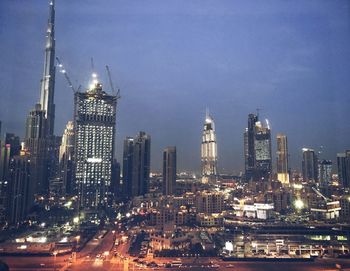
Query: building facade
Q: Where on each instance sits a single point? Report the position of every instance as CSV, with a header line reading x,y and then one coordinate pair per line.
x,y
66,154
282,159
343,164
169,171
94,130
262,148
209,153
325,172
309,165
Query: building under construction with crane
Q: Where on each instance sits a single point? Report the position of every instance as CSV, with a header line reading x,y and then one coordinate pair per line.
x,y
94,129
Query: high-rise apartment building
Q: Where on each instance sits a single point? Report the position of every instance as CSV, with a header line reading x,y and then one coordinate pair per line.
x,y
141,164
20,189
209,202
128,155
169,170
136,165
343,163
309,165
209,153
325,172
94,131
66,154
282,159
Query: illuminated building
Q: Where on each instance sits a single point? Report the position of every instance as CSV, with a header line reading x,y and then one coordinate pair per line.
x,y
343,163
209,155
40,121
48,79
282,159
249,149
325,172
262,148
209,202
169,170
309,165
66,153
94,130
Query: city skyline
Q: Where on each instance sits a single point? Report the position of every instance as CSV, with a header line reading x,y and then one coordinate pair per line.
x,y
312,127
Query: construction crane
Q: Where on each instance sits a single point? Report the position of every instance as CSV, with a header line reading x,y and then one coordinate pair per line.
x,y
62,70
320,194
111,83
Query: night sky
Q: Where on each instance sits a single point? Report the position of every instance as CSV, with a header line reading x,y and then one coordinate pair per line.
x,y
172,59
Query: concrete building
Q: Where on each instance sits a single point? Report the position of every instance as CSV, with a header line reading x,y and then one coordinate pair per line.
x,y
20,191
208,202
94,130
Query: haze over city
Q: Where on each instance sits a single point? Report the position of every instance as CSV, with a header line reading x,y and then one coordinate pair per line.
x,y
173,59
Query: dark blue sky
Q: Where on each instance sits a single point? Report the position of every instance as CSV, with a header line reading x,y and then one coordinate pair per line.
x,y
172,59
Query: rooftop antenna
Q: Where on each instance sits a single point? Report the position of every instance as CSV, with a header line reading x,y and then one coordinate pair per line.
x,y
206,112
258,112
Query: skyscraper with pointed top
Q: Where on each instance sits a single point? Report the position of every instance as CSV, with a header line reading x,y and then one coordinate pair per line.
x,y
40,121
209,154
48,80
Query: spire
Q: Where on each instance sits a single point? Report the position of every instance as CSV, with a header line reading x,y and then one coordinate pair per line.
x,y
48,80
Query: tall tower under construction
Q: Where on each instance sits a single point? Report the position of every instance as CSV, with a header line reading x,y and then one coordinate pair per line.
x,y
209,154
94,130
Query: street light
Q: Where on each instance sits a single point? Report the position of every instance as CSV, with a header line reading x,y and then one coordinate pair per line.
x,y
299,204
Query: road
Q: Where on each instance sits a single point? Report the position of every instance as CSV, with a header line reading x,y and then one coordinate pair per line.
x,y
94,257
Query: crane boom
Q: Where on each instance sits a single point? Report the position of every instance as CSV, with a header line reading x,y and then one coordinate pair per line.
x,y
62,70
320,194
111,82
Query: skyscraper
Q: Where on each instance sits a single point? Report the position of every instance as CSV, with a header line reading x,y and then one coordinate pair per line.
x,y
141,164
262,149
209,154
169,170
48,79
128,155
40,121
136,165
343,163
325,172
66,158
94,130
249,146
282,159
37,143
309,165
